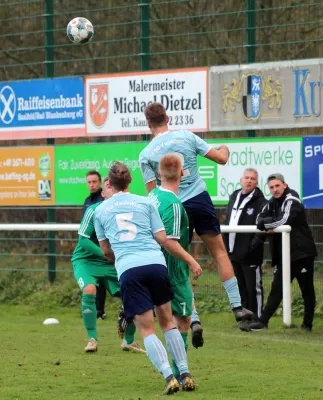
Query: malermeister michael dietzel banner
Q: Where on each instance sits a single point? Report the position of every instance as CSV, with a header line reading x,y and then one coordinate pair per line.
x,y
115,103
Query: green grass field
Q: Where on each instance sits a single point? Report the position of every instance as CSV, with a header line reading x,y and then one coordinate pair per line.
x,y
40,362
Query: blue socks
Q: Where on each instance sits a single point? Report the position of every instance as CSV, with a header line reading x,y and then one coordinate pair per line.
x,y
158,355
232,289
176,347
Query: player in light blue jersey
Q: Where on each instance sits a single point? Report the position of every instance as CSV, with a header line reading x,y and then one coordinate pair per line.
x,y
130,226
90,267
192,192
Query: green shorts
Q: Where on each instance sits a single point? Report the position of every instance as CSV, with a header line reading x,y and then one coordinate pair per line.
x,y
183,298
87,272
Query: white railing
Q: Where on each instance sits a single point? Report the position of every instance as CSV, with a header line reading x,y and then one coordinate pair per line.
x,y
284,230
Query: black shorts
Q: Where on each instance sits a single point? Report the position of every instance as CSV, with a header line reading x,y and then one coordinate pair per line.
x,y
201,215
144,287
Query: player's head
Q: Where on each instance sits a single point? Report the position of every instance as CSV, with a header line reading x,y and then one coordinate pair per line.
x,y
107,189
156,116
276,184
170,168
249,180
119,176
93,180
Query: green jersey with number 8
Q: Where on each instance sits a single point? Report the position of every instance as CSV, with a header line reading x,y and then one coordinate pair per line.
x,y
86,230
176,224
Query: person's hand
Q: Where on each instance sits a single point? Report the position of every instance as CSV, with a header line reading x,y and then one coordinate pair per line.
x,y
196,269
110,258
261,225
270,231
223,146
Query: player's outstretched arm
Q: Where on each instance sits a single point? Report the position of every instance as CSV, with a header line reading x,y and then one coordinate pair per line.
x,y
176,250
219,155
106,250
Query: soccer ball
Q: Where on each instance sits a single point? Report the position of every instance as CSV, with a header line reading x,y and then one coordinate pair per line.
x,y
80,30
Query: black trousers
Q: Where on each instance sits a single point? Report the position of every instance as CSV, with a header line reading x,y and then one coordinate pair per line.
x,y
249,279
101,293
303,271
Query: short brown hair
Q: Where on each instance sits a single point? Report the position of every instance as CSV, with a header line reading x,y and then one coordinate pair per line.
x,y
119,176
170,167
155,113
94,172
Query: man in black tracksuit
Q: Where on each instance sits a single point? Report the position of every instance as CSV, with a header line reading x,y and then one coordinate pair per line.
x,y
285,208
246,250
93,181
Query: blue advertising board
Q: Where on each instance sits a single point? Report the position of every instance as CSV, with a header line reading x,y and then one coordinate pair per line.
x,y
42,106
313,171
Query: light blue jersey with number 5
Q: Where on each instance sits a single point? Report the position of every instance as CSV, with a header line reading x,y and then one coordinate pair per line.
x,y
129,222
187,145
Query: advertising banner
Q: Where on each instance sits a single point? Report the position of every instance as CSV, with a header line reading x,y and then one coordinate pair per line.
x,y
266,96
73,162
27,176
265,155
42,108
115,103
313,171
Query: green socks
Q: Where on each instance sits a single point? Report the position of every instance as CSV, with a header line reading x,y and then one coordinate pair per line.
x,y
89,315
129,335
176,372
89,318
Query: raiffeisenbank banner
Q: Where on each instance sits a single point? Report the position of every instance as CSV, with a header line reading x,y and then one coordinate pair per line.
x,y
272,95
42,108
115,103
267,156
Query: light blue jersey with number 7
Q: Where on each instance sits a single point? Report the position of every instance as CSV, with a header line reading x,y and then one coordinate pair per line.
x,y
129,222
187,145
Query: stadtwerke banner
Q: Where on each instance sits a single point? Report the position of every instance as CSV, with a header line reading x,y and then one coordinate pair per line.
x,y
265,155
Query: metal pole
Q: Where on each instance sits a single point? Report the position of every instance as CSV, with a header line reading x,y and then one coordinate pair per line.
x,y
144,35
49,73
144,42
287,306
251,41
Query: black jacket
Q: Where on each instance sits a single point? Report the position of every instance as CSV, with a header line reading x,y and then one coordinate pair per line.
x,y
288,210
248,247
92,199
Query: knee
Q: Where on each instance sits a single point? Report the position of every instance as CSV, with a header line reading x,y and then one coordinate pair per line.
x,y
89,289
219,248
166,322
145,324
221,257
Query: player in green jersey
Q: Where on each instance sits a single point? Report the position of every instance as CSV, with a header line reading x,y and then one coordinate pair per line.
x,y
91,266
176,224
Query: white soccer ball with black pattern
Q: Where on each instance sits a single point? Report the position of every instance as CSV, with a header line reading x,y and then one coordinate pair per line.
x,y
80,30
